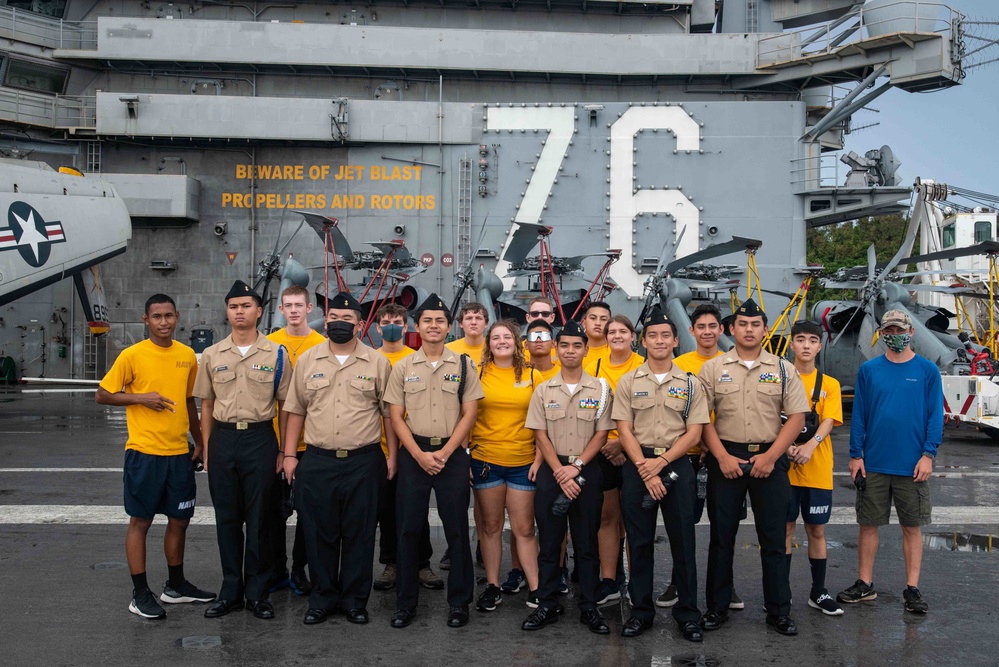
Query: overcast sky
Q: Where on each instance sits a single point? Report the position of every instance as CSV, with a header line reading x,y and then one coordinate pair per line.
x,y
951,135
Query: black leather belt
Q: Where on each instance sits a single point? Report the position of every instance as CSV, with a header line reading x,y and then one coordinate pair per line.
x,y
344,453
567,460
430,444
244,425
751,447
653,452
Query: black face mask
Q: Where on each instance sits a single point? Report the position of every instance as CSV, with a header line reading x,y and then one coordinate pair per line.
x,y
339,332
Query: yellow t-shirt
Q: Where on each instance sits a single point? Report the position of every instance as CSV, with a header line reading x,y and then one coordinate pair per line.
x,y
393,357
296,346
460,347
691,362
612,373
818,472
547,375
499,435
594,353
170,371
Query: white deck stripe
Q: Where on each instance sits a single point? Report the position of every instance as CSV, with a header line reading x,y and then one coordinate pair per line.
x,y
82,515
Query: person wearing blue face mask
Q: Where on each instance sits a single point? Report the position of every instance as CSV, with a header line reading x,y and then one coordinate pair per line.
x,y
896,428
390,322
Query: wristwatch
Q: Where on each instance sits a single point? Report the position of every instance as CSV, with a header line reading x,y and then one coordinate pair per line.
x,y
578,463
817,438
929,456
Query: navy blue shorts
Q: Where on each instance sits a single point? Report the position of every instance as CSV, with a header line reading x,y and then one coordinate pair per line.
x,y
815,505
159,485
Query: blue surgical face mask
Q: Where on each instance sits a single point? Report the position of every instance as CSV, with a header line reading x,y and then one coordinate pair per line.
x,y
391,333
897,342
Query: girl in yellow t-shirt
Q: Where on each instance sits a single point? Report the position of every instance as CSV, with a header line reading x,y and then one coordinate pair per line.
x,y
620,334
504,459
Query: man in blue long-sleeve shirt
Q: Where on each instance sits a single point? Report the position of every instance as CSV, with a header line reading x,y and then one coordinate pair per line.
x,y
896,427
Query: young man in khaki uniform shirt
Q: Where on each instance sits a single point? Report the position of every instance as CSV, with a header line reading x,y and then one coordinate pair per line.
x,y
748,388
337,395
241,393
571,416
660,411
433,396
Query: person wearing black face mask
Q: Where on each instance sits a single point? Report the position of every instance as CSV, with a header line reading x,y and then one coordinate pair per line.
x,y
339,387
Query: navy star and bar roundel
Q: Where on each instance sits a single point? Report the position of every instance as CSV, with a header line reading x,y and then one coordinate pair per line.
x,y
30,234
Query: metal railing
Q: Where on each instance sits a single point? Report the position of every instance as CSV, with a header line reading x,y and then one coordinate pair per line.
x,y
904,16
32,28
818,171
55,111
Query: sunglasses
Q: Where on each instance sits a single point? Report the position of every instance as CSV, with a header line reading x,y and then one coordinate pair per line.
x,y
540,313
535,336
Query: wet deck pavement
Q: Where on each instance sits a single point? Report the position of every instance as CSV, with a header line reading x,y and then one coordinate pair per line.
x,y
64,588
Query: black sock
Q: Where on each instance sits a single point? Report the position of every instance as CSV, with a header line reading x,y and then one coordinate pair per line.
x,y
139,582
818,576
176,575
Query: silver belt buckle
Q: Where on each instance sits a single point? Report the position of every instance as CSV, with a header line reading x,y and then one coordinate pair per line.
x,y
572,459
753,448
659,451
242,426
435,441
341,453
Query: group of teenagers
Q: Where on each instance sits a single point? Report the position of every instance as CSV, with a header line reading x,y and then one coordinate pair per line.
x,y
564,431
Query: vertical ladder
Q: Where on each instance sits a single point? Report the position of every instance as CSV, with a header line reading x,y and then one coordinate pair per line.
x,y
89,354
752,16
464,240
93,157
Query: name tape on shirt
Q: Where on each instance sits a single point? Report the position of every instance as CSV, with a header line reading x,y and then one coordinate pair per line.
x,y
413,378
316,376
553,406
641,394
221,368
725,377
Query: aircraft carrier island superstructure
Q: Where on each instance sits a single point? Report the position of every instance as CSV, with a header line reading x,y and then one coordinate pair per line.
x,y
622,126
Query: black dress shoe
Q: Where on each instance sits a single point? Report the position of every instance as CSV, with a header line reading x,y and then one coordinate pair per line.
x,y
359,616
634,627
316,616
403,617
594,620
713,620
457,617
782,624
220,608
539,618
692,632
261,608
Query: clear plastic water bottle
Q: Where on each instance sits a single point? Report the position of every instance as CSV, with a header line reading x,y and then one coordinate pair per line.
x,y
702,483
561,505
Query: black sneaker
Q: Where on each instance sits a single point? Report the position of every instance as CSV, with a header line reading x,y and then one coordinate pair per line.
x,y
914,602
858,592
144,604
668,598
532,599
563,582
609,592
445,563
299,582
514,581
187,592
490,598
824,603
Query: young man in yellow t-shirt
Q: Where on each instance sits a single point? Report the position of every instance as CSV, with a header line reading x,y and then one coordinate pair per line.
x,y
391,325
706,328
595,318
811,474
538,346
297,337
473,318
154,380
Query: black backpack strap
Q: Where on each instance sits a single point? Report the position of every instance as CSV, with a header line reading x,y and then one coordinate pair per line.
x,y
817,392
597,371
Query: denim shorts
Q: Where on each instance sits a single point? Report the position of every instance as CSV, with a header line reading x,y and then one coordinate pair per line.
x,y
514,477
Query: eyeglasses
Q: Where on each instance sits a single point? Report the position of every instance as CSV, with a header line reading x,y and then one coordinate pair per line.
x,y
535,336
541,313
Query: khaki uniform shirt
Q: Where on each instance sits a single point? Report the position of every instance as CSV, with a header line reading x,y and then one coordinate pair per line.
x,y
430,395
570,419
243,386
344,403
656,410
748,401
